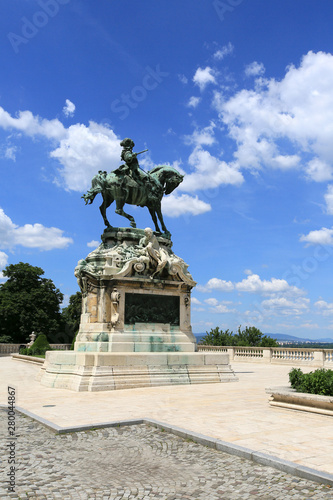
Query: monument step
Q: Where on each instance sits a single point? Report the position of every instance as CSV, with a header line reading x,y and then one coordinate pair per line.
x,y
138,346
84,371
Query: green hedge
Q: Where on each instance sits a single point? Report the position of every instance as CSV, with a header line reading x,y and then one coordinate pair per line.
x,y
318,382
40,346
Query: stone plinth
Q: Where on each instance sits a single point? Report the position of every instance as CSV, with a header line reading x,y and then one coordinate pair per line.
x,y
135,328
110,371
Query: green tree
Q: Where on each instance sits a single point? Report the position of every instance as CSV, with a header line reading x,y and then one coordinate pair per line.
x,y
218,337
250,336
268,342
29,302
71,315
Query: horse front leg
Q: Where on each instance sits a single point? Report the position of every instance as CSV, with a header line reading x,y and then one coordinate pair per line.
x,y
119,210
153,216
106,203
160,217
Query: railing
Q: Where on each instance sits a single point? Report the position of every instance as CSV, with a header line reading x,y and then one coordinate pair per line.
x,y
275,355
6,349
248,352
215,348
9,349
328,353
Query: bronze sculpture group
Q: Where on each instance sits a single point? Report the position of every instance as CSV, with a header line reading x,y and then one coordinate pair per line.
x,y
130,184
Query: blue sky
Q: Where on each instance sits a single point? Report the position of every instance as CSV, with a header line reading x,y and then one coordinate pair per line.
x,y
236,94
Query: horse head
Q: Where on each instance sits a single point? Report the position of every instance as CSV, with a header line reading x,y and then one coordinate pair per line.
x,y
168,177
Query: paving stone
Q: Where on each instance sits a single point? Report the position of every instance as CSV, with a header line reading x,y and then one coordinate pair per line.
x,y
139,462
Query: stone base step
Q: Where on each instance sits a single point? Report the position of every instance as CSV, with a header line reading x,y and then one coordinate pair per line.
x,y
107,371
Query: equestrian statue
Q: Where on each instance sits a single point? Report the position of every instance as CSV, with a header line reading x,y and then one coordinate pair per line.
x,y
130,184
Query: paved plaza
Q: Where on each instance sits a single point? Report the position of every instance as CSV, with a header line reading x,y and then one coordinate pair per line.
x,y
140,461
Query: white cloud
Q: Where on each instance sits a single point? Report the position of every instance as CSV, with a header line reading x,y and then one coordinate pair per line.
x,y
282,306
202,137
248,272
32,125
193,101
93,244
254,69
224,51
252,284
309,326
323,236
39,236
255,284
318,170
65,302
3,260
183,79
211,302
219,307
195,301
69,108
10,153
175,205
279,121
3,264
30,235
82,150
216,284
203,77
209,172
222,309
329,199
324,308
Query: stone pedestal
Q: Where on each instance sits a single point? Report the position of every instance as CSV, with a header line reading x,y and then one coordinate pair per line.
x,y
135,328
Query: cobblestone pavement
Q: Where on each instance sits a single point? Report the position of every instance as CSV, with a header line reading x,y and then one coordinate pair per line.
x,y
136,462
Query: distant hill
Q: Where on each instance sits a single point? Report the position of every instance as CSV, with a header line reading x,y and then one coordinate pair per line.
x,y
282,336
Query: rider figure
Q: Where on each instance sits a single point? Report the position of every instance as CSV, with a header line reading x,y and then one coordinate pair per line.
x,y
133,169
132,165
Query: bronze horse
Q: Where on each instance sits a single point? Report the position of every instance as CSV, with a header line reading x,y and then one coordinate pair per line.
x,y
125,189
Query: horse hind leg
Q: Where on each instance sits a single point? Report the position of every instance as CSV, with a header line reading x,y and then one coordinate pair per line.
x,y
119,210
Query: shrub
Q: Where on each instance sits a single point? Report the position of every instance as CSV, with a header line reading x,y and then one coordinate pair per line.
x,y
318,382
40,346
296,378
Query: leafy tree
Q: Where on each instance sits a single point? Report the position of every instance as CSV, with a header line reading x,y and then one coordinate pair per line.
x,y
5,339
268,342
250,336
218,337
71,315
29,302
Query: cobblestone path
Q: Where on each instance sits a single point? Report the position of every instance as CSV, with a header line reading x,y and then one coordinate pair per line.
x,y
138,462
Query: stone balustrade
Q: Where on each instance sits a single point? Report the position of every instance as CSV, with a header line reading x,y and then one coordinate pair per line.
x,y
320,358
6,349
